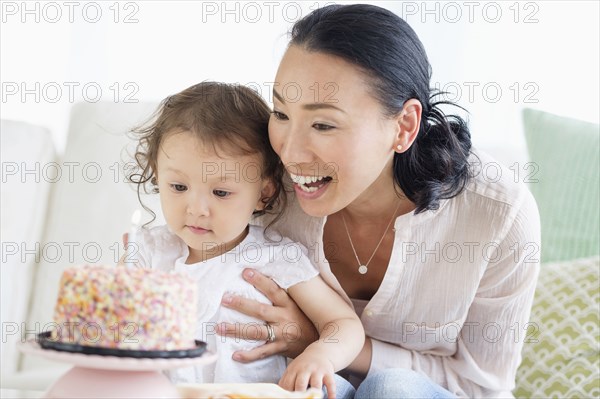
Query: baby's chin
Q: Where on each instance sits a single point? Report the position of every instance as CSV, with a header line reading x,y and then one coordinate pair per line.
x,y
211,246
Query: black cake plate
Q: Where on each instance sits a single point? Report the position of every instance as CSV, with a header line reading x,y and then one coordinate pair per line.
x,y
46,341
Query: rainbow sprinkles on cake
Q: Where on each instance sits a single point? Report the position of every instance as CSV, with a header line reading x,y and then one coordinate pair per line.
x,y
125,308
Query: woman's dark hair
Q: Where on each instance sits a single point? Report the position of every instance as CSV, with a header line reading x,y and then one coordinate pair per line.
x,y
391,56
228,117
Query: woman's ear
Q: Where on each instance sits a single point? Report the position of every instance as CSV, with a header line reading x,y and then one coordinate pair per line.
x,y
267,191
409,122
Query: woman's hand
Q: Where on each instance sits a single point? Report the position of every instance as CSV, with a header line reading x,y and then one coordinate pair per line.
x,y
293,331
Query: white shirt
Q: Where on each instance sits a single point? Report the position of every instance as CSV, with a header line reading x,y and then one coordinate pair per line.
x,y
282,260
456,297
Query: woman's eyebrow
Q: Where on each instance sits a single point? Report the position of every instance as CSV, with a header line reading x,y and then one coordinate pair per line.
x,y
278,96
311,106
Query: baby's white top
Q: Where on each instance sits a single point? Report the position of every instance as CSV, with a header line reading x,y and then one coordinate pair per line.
x,y
284,261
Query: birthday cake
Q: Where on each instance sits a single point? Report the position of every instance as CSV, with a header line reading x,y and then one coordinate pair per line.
x,y
125,308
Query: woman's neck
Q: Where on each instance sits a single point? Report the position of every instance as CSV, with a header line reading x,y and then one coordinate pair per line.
x,y
376,203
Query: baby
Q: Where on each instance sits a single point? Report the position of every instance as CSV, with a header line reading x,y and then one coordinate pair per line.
x,y
207,154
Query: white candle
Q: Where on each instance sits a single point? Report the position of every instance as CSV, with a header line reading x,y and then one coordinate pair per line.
x,y
132,248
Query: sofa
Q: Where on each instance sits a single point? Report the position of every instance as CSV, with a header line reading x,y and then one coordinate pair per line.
x,y
72,208
59,210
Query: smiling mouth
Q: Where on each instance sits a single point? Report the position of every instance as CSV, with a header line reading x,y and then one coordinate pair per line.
x,y
310,184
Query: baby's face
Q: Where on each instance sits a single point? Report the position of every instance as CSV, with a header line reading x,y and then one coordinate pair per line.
x,y
207,197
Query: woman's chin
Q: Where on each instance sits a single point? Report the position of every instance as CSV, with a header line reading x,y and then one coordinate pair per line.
x,y
318,203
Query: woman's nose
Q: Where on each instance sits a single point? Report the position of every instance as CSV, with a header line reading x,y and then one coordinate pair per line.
x,y
295,147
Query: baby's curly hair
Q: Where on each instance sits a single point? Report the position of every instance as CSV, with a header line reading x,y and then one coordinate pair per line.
x,y
226,116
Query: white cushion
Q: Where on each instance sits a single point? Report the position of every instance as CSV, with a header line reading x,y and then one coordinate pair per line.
x,y
25,148
91,210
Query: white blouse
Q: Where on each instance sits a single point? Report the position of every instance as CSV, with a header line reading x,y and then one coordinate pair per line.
x,y
455,300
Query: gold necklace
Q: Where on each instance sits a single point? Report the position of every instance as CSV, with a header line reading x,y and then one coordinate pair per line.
x,y
363,269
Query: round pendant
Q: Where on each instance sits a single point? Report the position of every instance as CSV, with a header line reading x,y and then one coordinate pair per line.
x,y
362,269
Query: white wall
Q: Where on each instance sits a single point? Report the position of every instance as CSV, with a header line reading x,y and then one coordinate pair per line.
x,y
542,54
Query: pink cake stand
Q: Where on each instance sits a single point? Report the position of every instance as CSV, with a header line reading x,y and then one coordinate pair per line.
x,y
95,376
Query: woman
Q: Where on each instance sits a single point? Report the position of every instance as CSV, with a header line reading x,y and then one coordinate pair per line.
x,y
390,201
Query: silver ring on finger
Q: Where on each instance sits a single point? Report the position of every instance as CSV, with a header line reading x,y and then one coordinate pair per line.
x,y
270,333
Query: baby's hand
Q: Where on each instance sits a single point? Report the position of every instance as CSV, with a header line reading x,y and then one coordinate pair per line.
x,y
309,369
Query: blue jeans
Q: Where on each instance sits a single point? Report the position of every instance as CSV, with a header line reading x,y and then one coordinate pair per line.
x,y
391,383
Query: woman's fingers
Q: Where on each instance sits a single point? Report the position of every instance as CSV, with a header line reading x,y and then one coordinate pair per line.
x,y
267,286
261,352
293,330
249,307
249,331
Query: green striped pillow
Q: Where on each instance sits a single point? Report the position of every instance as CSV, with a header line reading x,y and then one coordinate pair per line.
x,y
564,178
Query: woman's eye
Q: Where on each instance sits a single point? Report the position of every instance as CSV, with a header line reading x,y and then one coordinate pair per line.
x,y
221,193
280,116
322,126
178,187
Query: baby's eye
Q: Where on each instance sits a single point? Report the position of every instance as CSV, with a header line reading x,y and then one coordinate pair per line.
x,y
178,187
322,126
280,116
221,193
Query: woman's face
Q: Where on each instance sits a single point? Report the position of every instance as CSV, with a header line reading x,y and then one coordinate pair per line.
x,y
326,126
